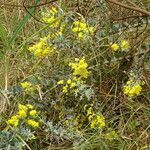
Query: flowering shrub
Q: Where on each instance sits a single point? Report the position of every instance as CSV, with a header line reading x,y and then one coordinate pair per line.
x,y
133,87
81,29
27,114
80,72
50,17
83,95
42,48
28,87
124,46
96,120
80,68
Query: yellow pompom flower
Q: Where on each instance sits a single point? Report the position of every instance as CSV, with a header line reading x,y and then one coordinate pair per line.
x,y
115,47
33,123
14,121
81,29
42,48
25,112
73,84
135,90
51,17
65,89
26,85
22,107
69,81
53,11
125,45
132,88
60,82
33,113
22,113
80,68
98,121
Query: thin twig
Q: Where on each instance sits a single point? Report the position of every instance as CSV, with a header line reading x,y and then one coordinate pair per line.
x,y
27,6
147,13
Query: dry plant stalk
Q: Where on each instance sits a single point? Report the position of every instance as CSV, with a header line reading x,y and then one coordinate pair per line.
x,y
120,11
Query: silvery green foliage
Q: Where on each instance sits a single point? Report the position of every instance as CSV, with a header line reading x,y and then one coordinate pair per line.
x,y
62,133
11,140
84,91
27,134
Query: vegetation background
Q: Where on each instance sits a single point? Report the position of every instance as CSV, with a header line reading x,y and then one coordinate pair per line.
x,y
63,117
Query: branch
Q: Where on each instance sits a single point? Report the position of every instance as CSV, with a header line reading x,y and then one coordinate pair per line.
x,y
27,6
147,13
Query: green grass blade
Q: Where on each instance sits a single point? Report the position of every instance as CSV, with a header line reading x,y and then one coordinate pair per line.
x,y
22,23
3,36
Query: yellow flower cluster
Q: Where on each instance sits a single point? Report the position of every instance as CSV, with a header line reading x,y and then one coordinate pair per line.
x,y
80,68
124,45
42,48
28,87
25,112
132,88
81,29
14,121
96,120
51,17
80,73
33,123
115,47
70,84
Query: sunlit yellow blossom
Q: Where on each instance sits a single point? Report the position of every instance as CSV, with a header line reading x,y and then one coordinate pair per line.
x,y
42,48
69,81
60,82
98,122
135,90
69,85
73,84
51,18
115,47
14,121
22,107
33,123
81,29
25,112
65,89
53,11
52,21
132,88
125,45
80,68
33,113
26,85
22,113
